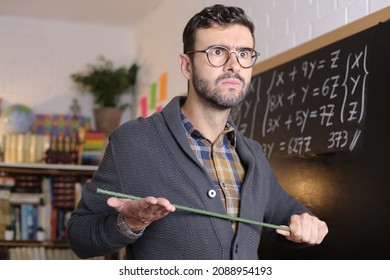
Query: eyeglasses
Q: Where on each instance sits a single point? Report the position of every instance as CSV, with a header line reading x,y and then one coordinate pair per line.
x,y
218,56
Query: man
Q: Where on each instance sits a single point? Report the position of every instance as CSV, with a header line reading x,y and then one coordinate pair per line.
x,y
191,154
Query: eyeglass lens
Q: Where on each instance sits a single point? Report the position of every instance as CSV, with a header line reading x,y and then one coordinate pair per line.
x,y
219,56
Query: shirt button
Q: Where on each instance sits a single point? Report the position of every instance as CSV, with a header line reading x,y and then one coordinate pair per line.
x,y
212,193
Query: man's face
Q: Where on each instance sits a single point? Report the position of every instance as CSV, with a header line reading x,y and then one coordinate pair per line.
x,y
226,86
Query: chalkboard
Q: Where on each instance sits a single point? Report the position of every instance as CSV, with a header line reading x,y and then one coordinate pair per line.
x,y
313,104
347,183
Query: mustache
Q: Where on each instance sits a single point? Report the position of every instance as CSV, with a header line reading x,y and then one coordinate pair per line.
x,y
229,76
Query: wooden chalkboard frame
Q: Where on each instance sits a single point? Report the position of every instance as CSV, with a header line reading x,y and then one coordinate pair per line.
x,y
324,40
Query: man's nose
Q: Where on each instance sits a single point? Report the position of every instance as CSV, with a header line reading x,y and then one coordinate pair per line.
x,y
233,63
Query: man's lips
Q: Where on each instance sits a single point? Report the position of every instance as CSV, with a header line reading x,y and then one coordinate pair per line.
x,y
231,82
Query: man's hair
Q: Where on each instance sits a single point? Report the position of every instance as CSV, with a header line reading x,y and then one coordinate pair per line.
x,y
214,15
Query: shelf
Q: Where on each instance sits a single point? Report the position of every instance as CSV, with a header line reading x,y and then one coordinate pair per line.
x,y
48,169
51,249
31,243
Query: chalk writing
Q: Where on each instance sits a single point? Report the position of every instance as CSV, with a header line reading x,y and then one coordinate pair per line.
x,y
313,104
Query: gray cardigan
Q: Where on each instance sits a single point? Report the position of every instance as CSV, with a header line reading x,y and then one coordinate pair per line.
x,y
152,157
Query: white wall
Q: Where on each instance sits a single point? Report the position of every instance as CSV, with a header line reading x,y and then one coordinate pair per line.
x,y
37,57
280,25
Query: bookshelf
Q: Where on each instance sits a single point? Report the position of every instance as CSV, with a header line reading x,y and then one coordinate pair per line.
x,y
48,169
52,191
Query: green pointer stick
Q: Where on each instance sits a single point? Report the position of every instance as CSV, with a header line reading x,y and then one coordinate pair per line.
x,y
199,211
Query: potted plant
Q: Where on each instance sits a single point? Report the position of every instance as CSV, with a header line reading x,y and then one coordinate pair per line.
x,y
106,84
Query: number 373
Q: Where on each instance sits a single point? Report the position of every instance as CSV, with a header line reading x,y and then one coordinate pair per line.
x,y
338,139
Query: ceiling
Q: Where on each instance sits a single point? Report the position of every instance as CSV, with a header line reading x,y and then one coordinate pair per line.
x,y
121,13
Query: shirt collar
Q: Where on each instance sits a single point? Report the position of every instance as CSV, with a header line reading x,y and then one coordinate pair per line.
x,y
193,132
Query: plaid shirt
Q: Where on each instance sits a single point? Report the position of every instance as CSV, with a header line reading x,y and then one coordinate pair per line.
x,y
222,163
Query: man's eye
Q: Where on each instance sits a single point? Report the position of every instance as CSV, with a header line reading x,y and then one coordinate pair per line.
x,y
244,54
217,52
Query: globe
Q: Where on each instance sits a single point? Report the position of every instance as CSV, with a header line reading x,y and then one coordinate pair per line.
x,y
17,118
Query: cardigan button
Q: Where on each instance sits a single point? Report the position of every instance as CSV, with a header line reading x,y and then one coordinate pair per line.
x,y
212,193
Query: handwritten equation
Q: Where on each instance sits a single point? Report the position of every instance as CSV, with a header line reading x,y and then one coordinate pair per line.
x,y
312,105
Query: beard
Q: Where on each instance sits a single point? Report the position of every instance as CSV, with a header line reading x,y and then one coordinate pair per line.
x,y
216,98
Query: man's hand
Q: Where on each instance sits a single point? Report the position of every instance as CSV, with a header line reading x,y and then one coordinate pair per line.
x,y
305,228
141,213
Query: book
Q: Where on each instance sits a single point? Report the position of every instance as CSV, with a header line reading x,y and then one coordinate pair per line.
x,y
45,219
27,219
17,222
24,147
5,212
94,143
22,198
64,191
54,221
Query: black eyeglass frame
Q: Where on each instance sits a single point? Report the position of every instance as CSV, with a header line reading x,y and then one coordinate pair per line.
x,y
255,55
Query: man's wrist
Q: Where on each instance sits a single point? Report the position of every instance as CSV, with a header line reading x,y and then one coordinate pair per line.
x,y
125,229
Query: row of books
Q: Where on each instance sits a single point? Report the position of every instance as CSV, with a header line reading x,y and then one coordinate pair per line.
x,y
46,206
24,147
85,148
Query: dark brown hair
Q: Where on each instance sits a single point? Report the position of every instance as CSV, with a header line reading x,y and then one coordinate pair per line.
x,y
214,15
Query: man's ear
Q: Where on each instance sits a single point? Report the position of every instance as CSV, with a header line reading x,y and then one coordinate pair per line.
x,y
185,66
